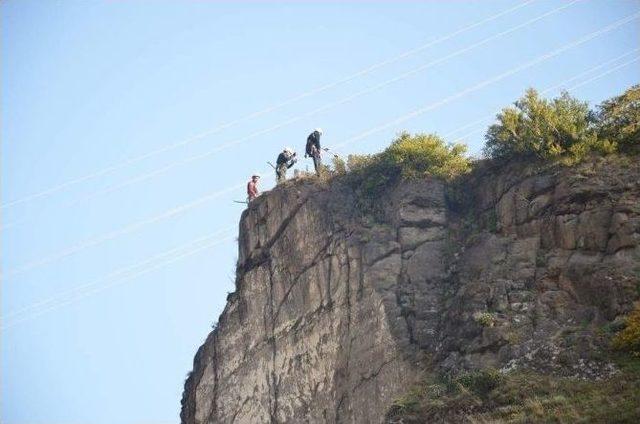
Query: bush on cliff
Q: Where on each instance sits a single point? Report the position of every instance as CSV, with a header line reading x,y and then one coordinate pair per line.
x,y
420,155
619,120
565,128
408,156
523,397
542,128
413,156
339,165
629,338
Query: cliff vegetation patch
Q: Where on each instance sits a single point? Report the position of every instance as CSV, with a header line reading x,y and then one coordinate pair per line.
x,y
562,130
523,397
408,157
628,339
565,127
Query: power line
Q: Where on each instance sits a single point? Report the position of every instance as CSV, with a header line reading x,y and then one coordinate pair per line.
x,y
485,83
615,68
51,303
329,106
324,108
265,111
93,241
495,79
119,272
552,88
180,209
118,277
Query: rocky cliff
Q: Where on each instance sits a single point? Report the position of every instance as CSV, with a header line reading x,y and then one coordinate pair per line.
x,y
338,311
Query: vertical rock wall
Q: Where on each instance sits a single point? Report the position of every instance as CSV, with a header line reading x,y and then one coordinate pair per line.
x,y
314,332
336,315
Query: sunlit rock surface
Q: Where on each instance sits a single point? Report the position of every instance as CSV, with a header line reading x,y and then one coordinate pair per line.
x,y
336,313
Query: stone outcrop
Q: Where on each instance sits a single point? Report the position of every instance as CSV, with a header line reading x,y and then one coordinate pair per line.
x,y
336,314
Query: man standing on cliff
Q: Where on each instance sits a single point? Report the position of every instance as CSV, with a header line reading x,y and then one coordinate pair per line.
x,y
252,188
313,149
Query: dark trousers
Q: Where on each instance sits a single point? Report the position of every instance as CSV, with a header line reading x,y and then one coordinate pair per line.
x,y
281,173
317,162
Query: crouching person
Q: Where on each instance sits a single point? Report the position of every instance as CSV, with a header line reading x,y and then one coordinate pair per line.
x,y
285,160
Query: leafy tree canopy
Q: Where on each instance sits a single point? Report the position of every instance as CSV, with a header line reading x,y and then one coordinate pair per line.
x,y
565,127
619,120
535,126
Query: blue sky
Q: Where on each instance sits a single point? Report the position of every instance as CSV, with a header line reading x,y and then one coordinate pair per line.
x,y
99,326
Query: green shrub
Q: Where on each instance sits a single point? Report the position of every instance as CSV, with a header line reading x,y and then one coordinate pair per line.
x,y
629,338
409,402
339,165
415,156
524,397
485,319
408,156
481,382
427,154
543,128
359,162
619,120
372,173
565,127
577,152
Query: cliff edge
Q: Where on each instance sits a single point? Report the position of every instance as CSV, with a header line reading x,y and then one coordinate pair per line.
x,y
341,304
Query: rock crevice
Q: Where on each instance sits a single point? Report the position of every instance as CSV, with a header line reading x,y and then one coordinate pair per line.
x,y
335,315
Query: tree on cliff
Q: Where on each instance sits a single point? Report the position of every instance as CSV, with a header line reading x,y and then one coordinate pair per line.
x,y
619,120
565,127
535,126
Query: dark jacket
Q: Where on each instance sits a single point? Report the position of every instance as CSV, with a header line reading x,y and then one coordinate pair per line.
x,y
283,159
313,140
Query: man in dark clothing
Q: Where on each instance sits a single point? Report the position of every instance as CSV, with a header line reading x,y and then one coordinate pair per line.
x,y
313,149
252,188
285,160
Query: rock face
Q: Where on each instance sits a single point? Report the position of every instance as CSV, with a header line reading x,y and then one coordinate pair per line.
x,y
336,314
